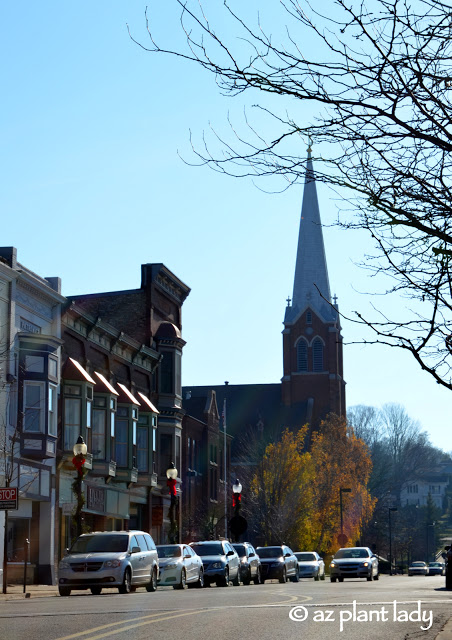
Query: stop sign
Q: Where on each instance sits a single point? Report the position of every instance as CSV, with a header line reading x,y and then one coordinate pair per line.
x,y
8,498
342,539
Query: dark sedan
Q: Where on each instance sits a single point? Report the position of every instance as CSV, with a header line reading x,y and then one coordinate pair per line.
x,y
278,563
221,562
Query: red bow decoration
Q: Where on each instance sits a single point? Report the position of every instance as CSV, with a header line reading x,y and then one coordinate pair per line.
x,y
78,462
171,483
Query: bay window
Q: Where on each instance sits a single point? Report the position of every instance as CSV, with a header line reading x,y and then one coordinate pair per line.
x,y
34,405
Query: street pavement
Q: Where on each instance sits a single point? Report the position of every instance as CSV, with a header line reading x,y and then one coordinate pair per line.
x,y
310,609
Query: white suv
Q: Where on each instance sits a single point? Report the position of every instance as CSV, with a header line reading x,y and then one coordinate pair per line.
x,y
123,559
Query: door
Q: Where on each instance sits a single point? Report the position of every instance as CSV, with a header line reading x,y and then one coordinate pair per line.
x,y
145,559
136,560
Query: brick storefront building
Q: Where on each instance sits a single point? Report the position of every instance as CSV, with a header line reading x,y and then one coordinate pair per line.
x,y
122,392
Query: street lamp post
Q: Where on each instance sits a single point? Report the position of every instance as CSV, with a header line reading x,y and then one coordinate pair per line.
x,y
429,524
341,491
80,449
238,524
390,539
171,474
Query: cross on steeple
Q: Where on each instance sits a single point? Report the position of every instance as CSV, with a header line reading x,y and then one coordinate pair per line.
x,y
288,301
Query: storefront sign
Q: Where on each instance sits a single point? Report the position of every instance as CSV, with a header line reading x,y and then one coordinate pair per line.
x,y
29,327
68,508
8,499
95,499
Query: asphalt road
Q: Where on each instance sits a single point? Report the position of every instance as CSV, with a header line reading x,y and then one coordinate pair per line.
x,y
397,607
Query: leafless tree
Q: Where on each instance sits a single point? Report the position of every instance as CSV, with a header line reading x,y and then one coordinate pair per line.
x,y
378,76
367,423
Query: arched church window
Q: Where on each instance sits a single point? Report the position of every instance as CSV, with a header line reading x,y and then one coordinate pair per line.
x,y
302,355
317,355
308,317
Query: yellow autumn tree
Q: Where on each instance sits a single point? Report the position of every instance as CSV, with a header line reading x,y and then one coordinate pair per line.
x,y
341,461
295,493
282,491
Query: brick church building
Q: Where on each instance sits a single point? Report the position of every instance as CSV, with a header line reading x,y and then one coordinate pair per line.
x,y
312,385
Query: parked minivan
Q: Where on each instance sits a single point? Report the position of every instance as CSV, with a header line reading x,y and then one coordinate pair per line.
x,y
123,559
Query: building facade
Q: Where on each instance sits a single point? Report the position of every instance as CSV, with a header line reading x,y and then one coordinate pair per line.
x,y
206,451
30,339
122,392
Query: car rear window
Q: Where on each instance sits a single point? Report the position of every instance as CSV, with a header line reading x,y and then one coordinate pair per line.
x,y
101,544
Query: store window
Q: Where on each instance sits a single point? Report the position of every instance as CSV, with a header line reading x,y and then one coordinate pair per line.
x,y
166,452
99,429
34,404
72,421
121,438
52,409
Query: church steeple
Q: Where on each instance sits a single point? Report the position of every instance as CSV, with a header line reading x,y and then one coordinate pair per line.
x,y
311,273
312,384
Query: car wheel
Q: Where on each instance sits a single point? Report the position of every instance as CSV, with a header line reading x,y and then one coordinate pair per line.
x,y
64,591
376,576
322,577
224,581
333,579
126,586
369,578
236,582
200,583
316,577
152,584
96,591
258,578
207,582
283,578
247,580
183,581
296,577
341,579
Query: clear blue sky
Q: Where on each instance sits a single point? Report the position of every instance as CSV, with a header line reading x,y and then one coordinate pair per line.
x,y
93,186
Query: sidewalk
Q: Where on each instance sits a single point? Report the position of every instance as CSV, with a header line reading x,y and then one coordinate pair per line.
x,y
16,591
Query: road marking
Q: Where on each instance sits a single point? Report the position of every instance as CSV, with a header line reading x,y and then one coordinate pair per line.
x,y
371,604
130,626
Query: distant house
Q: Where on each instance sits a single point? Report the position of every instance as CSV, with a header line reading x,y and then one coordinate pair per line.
x,y
417,492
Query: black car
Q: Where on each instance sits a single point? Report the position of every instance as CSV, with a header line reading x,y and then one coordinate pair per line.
x,y
278,563
221,562
250,563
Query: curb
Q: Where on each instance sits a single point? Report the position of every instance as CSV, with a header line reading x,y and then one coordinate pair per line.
x,y
446,631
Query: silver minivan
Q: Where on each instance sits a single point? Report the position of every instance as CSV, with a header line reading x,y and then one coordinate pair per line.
x,y
122,559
